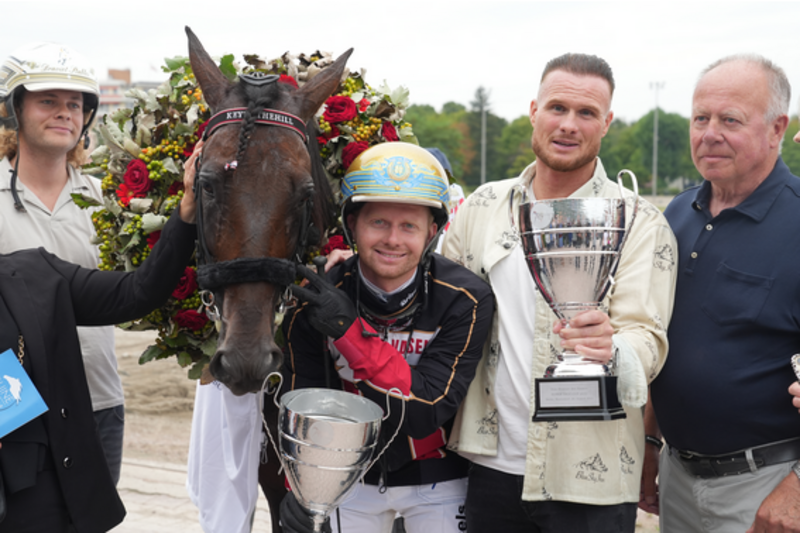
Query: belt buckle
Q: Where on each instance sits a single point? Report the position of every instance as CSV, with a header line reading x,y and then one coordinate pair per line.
x,y
686,455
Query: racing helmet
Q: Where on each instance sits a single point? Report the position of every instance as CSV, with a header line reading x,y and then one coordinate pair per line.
x,y
43,67
397,172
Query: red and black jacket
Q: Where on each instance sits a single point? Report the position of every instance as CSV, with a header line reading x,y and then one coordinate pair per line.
x,y
431,357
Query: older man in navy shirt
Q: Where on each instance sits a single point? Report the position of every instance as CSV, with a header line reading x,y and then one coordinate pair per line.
x,y
732,435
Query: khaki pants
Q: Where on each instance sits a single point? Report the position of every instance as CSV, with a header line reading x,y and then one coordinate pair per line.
x,y
717,505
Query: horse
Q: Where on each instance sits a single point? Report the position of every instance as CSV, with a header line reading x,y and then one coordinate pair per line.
x,y
263,199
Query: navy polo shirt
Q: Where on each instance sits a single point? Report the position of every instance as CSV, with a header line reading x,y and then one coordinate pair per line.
x,y
736,320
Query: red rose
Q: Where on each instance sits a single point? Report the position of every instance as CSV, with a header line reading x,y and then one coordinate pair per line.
x,y
339,109
389,132
190,319
124,194
336,242
285,78
363,105
174,188
137,178
351,151
152,239
187,284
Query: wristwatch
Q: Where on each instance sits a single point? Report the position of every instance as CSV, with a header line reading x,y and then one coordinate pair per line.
x,y
658,443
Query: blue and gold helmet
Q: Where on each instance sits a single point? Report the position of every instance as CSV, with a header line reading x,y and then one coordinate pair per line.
x,y
397,172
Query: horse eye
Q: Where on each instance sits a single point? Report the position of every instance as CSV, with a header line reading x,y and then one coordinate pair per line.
x,y
207,188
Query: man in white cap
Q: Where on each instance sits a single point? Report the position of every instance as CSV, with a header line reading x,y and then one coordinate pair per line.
x,y
50,96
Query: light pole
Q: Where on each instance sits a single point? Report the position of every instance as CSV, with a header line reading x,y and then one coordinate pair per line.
x,y
483,138
655,85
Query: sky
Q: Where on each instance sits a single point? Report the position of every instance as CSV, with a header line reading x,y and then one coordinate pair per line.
x,y
441,50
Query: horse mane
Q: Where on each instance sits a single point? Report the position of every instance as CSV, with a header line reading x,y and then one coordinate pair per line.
x,y
257,97
324,213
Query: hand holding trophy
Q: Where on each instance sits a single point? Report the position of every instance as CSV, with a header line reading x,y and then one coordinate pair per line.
x,y
572,247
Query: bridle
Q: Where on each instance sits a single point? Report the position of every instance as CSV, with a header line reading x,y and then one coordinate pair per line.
x,y
280,272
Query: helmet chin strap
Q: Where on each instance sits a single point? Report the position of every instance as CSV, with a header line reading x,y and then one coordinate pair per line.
x,y
14,172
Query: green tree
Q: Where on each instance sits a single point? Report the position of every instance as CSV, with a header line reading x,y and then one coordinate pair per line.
x,y
674,153
440,130
495,169
631,147
452,108
514,147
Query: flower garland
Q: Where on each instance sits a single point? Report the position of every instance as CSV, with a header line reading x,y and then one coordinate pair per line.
x,y
140,162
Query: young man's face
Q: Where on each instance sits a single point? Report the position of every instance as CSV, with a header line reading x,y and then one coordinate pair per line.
x,y
391,238
570,117
51,121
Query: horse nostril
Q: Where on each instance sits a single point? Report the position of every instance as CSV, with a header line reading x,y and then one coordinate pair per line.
x,y
220,366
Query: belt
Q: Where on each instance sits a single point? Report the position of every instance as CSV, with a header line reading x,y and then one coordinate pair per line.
x,y
749,460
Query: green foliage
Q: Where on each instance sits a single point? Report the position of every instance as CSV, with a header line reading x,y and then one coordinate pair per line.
x,y
631,147
495,168
440,130
515,147
456,130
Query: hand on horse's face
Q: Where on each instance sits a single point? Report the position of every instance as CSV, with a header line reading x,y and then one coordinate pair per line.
x,y
329,309
337,256
188,207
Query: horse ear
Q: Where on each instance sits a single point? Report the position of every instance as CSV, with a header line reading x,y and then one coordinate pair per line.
x,y
211,80
321,86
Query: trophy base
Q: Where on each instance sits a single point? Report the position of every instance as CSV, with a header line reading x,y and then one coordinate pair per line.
x,y
571,399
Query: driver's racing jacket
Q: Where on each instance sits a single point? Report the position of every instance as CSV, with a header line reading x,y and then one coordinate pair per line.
x,y
431,360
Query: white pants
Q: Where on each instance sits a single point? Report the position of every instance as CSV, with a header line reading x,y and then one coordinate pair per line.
x,y
437,508
717,505
222,473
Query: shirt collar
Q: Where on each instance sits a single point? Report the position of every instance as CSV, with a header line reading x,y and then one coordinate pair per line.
x,y
757,205
593,188
73,181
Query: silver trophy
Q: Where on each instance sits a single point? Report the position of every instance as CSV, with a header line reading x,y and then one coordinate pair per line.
x,y
572,247
327,439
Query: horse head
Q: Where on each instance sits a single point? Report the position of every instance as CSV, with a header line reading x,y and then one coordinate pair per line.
x,y
262,199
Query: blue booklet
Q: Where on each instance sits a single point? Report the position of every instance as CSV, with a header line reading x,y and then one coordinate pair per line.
x,y
20,402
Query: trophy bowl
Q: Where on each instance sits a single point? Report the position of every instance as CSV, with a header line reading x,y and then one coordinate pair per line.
x,y
572,247
326,439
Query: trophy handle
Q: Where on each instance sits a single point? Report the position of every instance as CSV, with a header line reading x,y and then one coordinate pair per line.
x,y
635,184
396,431
265,389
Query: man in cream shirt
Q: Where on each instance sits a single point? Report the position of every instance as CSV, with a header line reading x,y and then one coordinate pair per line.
x,y
559,476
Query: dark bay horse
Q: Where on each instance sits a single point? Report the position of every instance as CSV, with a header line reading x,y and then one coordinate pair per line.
x,y
263,198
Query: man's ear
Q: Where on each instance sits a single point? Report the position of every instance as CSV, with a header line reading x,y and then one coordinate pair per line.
x,y
532,111
778,129
432,231
609,119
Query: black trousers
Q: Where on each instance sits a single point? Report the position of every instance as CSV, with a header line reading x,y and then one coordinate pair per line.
x,y
494,503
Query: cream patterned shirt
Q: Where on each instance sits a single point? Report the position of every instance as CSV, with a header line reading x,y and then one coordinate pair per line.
x,y
596,463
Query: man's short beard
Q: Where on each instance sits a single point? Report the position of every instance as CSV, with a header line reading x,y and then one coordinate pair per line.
x,y
559,166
